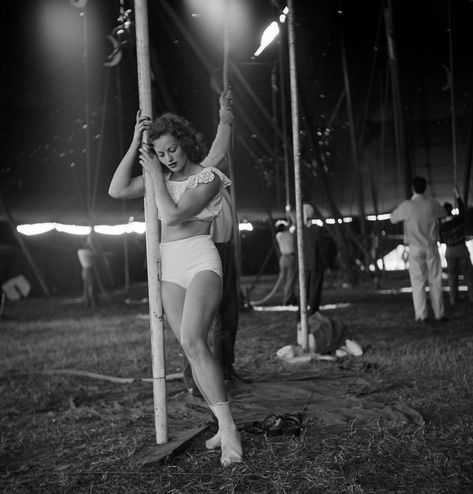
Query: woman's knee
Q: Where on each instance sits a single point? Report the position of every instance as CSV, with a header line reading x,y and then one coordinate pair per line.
x,y
194,348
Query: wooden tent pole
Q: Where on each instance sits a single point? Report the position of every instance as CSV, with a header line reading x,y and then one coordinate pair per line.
x,y
402,154
274,109
236,224
468,159
152,233
121,146
99,157
354,149
88,165
297,175
282,91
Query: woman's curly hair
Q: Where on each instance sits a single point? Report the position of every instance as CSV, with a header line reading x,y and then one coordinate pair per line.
x,y
177,126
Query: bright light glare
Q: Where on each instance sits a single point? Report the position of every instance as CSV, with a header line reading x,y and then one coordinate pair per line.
x,y
137,227
111,229
59,34
396,260
35,229
210,13
245,227
132,227
282,17
268,36
73,229
380,217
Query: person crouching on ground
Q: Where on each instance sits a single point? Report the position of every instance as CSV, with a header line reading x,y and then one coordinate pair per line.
x,y
188,198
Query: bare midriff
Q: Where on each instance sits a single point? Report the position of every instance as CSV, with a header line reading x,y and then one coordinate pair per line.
x,y
185,230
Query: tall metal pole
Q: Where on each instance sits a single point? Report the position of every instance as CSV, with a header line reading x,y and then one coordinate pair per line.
x,y
297,174
152,233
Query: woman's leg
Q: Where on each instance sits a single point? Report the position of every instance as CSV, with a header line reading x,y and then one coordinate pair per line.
x,y
201,302
173,297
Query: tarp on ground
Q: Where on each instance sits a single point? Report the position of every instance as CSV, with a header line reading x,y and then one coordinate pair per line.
x,y
327,399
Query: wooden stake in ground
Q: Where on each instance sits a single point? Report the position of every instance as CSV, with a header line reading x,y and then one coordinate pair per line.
x,y
297,176
152,234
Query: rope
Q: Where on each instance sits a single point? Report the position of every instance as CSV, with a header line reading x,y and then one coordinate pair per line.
x,y
104,377
270,294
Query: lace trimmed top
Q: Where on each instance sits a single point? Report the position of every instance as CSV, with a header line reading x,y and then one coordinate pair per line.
x,y
206,175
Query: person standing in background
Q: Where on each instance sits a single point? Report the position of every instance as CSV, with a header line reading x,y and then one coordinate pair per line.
x,y
314,259
87,257
226,320
287,262
420,215
452,234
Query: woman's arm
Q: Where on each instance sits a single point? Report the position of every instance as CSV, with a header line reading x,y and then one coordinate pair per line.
x,y
123,186
221,142
192,202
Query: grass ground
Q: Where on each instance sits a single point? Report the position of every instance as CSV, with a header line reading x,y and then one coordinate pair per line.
x,y
73,434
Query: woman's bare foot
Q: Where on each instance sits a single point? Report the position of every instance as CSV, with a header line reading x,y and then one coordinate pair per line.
x,y
214,442
231,447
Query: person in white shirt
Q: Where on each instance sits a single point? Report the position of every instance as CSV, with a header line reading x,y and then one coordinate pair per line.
x,y
287,263
420,215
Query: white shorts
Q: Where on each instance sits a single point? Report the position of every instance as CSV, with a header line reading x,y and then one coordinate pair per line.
x,y
182,259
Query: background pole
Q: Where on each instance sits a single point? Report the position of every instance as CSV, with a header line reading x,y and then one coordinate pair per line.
x,y
231,171
297,175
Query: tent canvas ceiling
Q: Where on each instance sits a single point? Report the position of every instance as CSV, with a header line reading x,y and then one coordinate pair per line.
x,y
43,128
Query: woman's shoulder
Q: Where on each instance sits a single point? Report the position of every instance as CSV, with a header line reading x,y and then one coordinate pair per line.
x,y
207,175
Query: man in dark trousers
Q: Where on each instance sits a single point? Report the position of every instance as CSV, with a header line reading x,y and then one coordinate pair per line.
x,y
314,259
226,320
452,234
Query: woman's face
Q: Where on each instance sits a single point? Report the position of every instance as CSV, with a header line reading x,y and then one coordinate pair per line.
x,y
170,152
